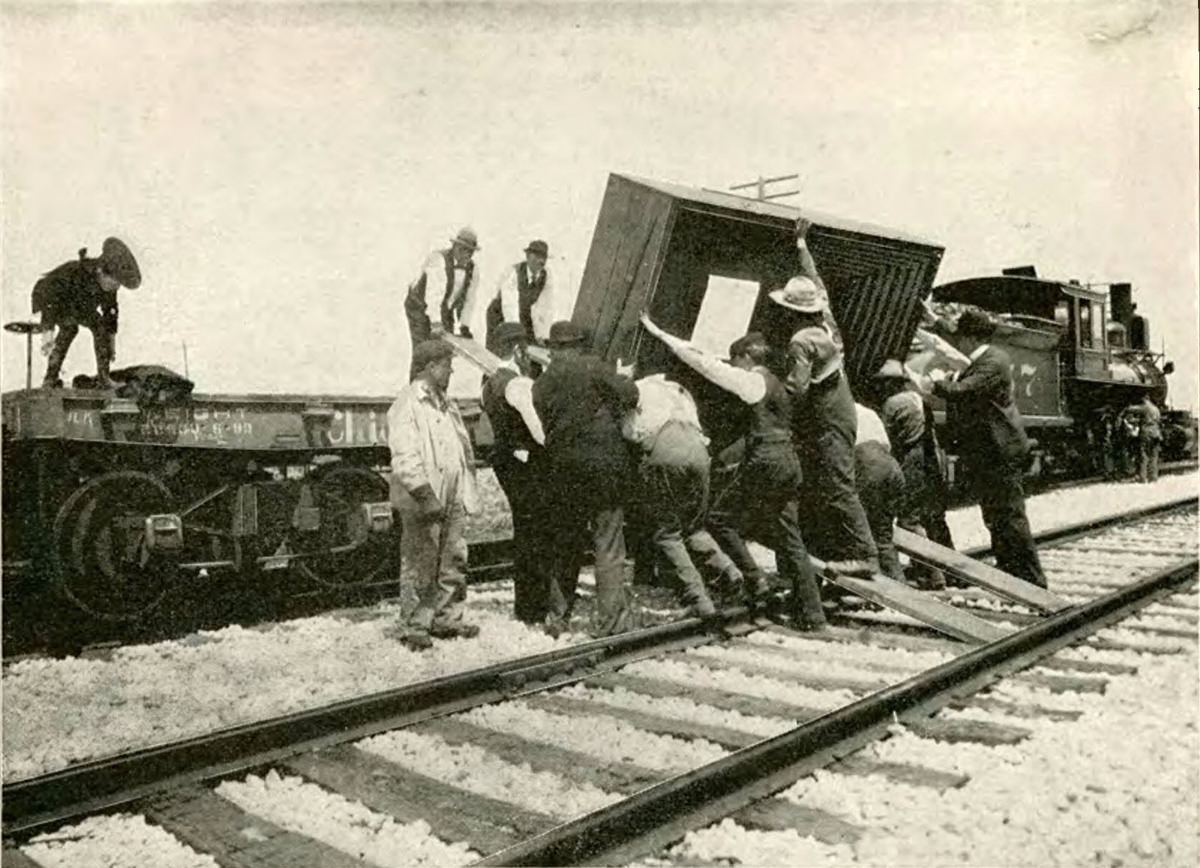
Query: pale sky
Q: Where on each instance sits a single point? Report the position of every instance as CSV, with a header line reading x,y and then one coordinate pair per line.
x,y
281,169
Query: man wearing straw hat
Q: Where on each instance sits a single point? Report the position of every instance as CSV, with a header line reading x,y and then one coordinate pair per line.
x,y
824,423
442,298
83,292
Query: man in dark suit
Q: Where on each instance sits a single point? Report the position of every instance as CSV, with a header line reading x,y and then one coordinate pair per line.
x,y
986,426
516,458
580,402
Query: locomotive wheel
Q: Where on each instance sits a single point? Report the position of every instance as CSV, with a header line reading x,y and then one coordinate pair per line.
x,y
103,565
340,493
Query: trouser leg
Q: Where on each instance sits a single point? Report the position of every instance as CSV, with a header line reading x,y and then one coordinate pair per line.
x,y
1002,502
529,577
613,611
62,343
419,552
722,523
452,569
104,346
1155,449
794,566
563,539
849,528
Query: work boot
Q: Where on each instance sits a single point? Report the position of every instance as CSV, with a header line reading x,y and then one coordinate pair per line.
x,y
729,588
454,630
701,607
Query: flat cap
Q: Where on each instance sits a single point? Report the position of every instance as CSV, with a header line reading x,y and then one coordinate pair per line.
x,y
507,333
427,352
975,323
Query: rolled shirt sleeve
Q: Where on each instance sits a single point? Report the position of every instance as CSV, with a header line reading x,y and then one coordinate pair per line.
x,y
749,386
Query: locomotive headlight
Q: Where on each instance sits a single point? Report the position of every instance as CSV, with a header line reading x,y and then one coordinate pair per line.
x,y
164,532
378,516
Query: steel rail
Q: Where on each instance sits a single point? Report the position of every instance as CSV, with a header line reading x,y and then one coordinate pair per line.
x,y
1070,532
650,820
33,804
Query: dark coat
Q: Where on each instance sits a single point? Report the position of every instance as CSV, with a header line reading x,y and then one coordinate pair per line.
x,y
981,414
71,295
581,403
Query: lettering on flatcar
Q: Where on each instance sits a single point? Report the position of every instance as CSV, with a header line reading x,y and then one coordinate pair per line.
x,y
350,427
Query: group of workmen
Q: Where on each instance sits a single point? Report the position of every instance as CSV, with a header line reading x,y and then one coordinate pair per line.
x,y
1128,442
579,446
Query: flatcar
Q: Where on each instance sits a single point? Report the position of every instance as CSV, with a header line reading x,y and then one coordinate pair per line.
x,y
108,500
1081,355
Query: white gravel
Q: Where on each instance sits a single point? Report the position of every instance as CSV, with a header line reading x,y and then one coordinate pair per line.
x,y
114,841
293,804
1118,787
473,769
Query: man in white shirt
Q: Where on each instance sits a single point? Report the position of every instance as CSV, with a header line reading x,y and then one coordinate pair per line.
x,y
442,298
526,294
880,484
674,470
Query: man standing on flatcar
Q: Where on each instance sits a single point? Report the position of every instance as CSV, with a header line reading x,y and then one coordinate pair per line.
x,y
768,479
83,292
580,402
824,422
442,299
527,294
517,460
987,427
433,488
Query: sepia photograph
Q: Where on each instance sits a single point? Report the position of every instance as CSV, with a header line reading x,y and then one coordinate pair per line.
x,y
633,433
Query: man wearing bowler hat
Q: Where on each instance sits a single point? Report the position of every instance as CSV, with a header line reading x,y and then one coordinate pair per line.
x,y
83,292
517,461
442,299
433,488
986,426
581,402
527,295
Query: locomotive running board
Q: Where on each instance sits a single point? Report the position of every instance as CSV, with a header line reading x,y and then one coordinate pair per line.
x,y
934,613
988,577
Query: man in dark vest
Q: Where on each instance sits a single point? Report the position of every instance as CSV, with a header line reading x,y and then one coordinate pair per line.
x,y
442,298
526,294
986,426
765,497
516,459
83,292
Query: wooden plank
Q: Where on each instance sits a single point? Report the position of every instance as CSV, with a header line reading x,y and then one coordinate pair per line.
x,y
474,352
943,730
876,638
781,815
936,614
969,570
211,824
623,778
1016,709
11,857
901,773
453,814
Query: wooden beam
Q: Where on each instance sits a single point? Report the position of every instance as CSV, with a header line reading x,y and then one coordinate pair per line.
x,y
928,610
969,570
474,352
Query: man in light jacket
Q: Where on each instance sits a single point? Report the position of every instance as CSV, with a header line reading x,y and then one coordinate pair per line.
x,y
433,488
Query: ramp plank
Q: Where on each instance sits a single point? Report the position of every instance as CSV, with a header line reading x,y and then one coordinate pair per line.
x,y
957,564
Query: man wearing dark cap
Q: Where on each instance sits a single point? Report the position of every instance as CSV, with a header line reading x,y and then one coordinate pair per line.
x,y
764,500
527,294
432,487
517,459
581,402
986,427
83,292
442,299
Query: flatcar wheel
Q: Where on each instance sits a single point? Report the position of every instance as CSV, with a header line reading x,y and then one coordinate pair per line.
x,y
104,567
340,493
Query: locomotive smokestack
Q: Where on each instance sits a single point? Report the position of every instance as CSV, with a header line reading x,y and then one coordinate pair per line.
x,y
1121,298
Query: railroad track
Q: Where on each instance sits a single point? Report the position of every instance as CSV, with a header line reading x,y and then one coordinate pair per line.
x,y
625,723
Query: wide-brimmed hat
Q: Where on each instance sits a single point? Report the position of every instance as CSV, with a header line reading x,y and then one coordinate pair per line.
x,y
800,294
467,238
507,333
427,352
118,261
565,334
538,247
892,369
975,324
